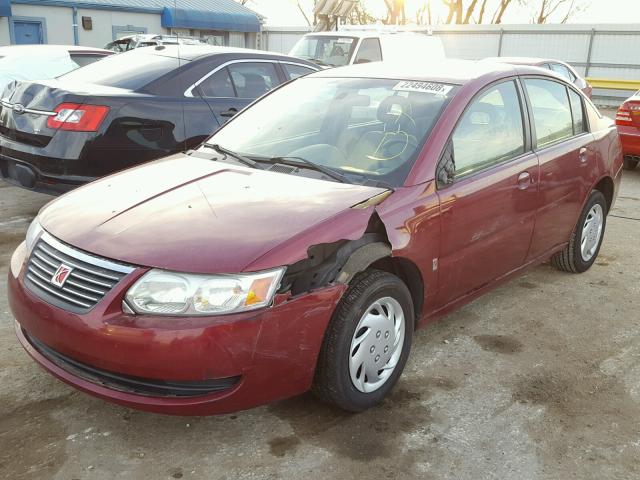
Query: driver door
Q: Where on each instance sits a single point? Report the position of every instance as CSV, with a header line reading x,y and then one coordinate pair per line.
x,y
488,202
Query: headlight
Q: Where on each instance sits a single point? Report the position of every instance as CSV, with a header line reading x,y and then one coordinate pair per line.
x,y
33,234
160,292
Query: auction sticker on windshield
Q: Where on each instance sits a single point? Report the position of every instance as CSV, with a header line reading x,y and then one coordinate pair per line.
x,y
426,87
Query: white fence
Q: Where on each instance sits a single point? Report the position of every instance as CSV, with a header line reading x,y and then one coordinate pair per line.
x,y
602,51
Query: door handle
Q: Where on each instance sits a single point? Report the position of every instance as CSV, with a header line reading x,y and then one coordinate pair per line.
x,y
524,180
583,155
229,113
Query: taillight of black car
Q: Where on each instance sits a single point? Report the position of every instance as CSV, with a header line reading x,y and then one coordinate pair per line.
x,y
78,117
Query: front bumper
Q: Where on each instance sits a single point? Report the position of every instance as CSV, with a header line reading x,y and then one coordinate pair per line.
x,y
263,356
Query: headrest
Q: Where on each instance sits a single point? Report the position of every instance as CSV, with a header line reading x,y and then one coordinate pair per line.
x,y
395,113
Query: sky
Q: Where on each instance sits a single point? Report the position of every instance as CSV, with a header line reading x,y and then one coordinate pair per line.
x,y
286,13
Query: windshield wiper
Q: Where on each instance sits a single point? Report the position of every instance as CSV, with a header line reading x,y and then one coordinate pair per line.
x,y
303,162
231,153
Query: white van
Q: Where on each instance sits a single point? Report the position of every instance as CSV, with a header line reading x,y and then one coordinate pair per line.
x,y
347,47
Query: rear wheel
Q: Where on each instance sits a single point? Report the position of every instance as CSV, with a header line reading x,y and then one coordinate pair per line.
x,y
630,163
367,342
584,246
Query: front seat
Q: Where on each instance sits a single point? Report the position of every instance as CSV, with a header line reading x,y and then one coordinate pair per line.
x,y
388,148
254,86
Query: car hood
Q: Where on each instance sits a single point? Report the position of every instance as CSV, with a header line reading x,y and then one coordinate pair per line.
x,y
195,215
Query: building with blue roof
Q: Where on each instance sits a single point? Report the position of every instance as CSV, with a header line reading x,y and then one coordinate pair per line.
x,y
97,22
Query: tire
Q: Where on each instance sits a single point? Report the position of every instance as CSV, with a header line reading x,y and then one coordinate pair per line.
x,y
630,163
572,258
333,379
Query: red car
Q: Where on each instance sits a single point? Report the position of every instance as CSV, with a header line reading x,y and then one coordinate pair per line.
x,y
628,122
306,240
563,69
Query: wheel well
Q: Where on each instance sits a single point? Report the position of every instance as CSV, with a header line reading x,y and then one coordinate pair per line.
x,y
409,273
606,187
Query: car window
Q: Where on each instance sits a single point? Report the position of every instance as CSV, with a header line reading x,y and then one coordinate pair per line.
x,y
369,51
253,80
295,71
131,70
310,119
83,59
551,110
490,131
577,112
217,85
562,71
363,114
325,50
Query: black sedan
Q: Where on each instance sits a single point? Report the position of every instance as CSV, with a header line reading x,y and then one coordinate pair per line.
x,y
127,109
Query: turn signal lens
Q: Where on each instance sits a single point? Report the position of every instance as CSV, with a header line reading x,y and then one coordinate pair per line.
x,y
78,118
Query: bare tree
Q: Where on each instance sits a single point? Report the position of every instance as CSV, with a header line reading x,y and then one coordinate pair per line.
x,y
395,12
304,14
462,11
483,9
360,16
547,8
423,14
470,10
455,10
502,7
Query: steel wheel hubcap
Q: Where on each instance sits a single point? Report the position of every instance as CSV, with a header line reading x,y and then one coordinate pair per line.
x,y
591,232
376,345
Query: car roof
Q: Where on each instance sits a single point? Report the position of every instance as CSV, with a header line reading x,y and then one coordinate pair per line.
x,y
156,36
446,71
22,49
364,33
524,60
193,52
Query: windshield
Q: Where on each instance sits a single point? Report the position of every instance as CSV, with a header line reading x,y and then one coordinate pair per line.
x,y
365,129
35,66
120,46
325,50
130,70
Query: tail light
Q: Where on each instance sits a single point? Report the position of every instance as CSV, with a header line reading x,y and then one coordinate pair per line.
x,y
628,113
77,117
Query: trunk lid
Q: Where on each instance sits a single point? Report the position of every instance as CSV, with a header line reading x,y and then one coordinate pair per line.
x,y
26,107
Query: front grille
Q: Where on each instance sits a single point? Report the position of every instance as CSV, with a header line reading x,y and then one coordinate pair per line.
x,y
131,384
91,278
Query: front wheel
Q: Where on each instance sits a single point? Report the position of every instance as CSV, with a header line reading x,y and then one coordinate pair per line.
x,y
584,246
367,342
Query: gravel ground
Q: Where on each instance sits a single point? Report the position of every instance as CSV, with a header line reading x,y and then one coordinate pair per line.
x,y
539,379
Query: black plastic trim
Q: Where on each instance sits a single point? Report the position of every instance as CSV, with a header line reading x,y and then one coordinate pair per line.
x,y
131,384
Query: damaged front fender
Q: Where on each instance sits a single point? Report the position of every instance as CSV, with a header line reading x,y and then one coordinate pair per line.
x,y
332,251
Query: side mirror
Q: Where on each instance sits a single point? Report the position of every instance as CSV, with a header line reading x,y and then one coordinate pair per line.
x,y
361,60
447,167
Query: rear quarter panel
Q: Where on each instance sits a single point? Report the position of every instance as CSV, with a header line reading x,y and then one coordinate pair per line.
x,y
608,148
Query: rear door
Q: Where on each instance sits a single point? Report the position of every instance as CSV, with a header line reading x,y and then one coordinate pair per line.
x,y
489,198
568,168
231,87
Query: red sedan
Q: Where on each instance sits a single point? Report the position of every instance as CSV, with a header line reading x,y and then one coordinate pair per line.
x,y
306,240
628,122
